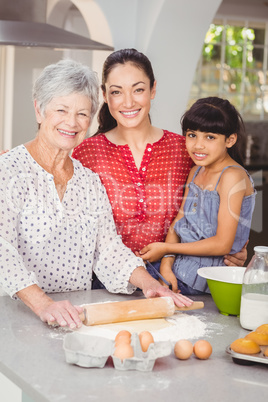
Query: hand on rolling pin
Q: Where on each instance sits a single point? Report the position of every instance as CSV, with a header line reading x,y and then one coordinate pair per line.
x,y
62,312
152,288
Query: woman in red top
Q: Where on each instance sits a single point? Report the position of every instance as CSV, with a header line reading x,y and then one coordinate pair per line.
x,y
143,168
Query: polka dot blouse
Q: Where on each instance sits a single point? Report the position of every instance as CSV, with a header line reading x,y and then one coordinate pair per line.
x,y
55,244
144,201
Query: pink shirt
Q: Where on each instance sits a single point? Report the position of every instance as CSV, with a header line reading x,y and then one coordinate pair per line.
x,y
144,201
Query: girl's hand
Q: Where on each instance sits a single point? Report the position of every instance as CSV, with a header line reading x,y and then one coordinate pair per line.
x,y
3,152
171,278
168,274
153,252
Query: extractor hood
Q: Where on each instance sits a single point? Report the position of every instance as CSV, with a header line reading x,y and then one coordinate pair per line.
x,y
22,23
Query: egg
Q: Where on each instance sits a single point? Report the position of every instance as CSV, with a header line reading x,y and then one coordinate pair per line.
x,y
124,351
202,349
183,349
146,338
123,336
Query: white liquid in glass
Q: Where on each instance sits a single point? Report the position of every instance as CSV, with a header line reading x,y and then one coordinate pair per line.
x,y
254,310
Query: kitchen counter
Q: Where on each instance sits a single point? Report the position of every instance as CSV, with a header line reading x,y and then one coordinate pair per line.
x,y
32,357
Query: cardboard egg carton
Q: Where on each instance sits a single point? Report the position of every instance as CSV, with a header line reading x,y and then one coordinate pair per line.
x,y
93,351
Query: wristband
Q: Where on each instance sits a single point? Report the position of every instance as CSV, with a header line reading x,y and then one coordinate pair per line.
x,y
169,255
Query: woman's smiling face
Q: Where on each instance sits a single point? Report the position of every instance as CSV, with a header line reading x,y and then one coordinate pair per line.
x,y
65,121
128,95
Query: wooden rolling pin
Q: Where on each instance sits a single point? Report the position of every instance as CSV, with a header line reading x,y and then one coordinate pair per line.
x,y
108,313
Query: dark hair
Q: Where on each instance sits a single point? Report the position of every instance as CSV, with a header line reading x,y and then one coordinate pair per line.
x,y
123,56
219,116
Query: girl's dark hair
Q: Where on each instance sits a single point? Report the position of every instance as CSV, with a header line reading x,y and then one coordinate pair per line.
x,y
123,56
218,116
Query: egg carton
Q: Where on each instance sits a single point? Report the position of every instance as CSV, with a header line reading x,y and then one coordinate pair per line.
x,y
93,351
143,361
86,350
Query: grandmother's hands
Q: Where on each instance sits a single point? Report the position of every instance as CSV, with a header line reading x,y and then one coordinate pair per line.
x,y
162,291
62,312
152,288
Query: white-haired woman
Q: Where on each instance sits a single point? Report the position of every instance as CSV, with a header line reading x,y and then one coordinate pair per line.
x,y
56,223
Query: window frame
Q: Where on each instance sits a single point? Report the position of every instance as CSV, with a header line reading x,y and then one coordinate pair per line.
x,y
198,82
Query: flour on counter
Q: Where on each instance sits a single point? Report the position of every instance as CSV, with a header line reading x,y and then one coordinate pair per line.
x,y
184,327
179,326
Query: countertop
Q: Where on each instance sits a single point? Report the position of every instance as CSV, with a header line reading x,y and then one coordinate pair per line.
x,y
32,356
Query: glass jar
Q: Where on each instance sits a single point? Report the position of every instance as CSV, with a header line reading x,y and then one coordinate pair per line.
x,y
254,299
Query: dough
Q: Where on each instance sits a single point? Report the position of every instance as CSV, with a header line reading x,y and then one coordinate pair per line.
x,y
245,346
259,338
132,326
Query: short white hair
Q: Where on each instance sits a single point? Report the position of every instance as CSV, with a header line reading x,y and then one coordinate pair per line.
x,y
64,78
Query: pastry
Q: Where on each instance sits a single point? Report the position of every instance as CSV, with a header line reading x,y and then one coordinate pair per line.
x,y
243,345
263,329
258,337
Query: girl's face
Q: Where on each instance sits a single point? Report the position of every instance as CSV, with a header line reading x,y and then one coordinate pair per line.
x,y
207,148
128,95
65,121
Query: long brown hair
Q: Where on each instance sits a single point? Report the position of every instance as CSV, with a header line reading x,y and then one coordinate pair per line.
x,y
123,56
218,116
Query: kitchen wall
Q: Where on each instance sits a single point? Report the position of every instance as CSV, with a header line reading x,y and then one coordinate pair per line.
x,y
170,32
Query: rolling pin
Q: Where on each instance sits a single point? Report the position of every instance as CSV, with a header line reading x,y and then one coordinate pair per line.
x,y
131,310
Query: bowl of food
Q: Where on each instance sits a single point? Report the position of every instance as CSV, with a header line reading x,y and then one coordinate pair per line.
x,y
225,285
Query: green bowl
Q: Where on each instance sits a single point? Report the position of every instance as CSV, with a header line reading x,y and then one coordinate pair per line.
x,y
225,285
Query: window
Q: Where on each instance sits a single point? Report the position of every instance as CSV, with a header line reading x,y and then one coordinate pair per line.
x,y
233,65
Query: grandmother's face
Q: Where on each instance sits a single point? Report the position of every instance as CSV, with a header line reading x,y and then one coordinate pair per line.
x,y
65,121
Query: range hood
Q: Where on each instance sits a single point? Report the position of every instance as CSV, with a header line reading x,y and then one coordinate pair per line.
x,y
22,23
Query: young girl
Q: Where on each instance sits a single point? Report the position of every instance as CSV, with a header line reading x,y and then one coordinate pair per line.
x,y
216,212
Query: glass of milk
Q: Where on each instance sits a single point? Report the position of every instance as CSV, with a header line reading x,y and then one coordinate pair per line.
x,y
254,299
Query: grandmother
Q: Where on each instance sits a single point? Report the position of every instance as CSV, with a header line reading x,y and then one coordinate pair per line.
x,y
56,223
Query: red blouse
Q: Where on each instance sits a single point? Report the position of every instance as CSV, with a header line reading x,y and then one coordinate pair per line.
x,y
144,201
